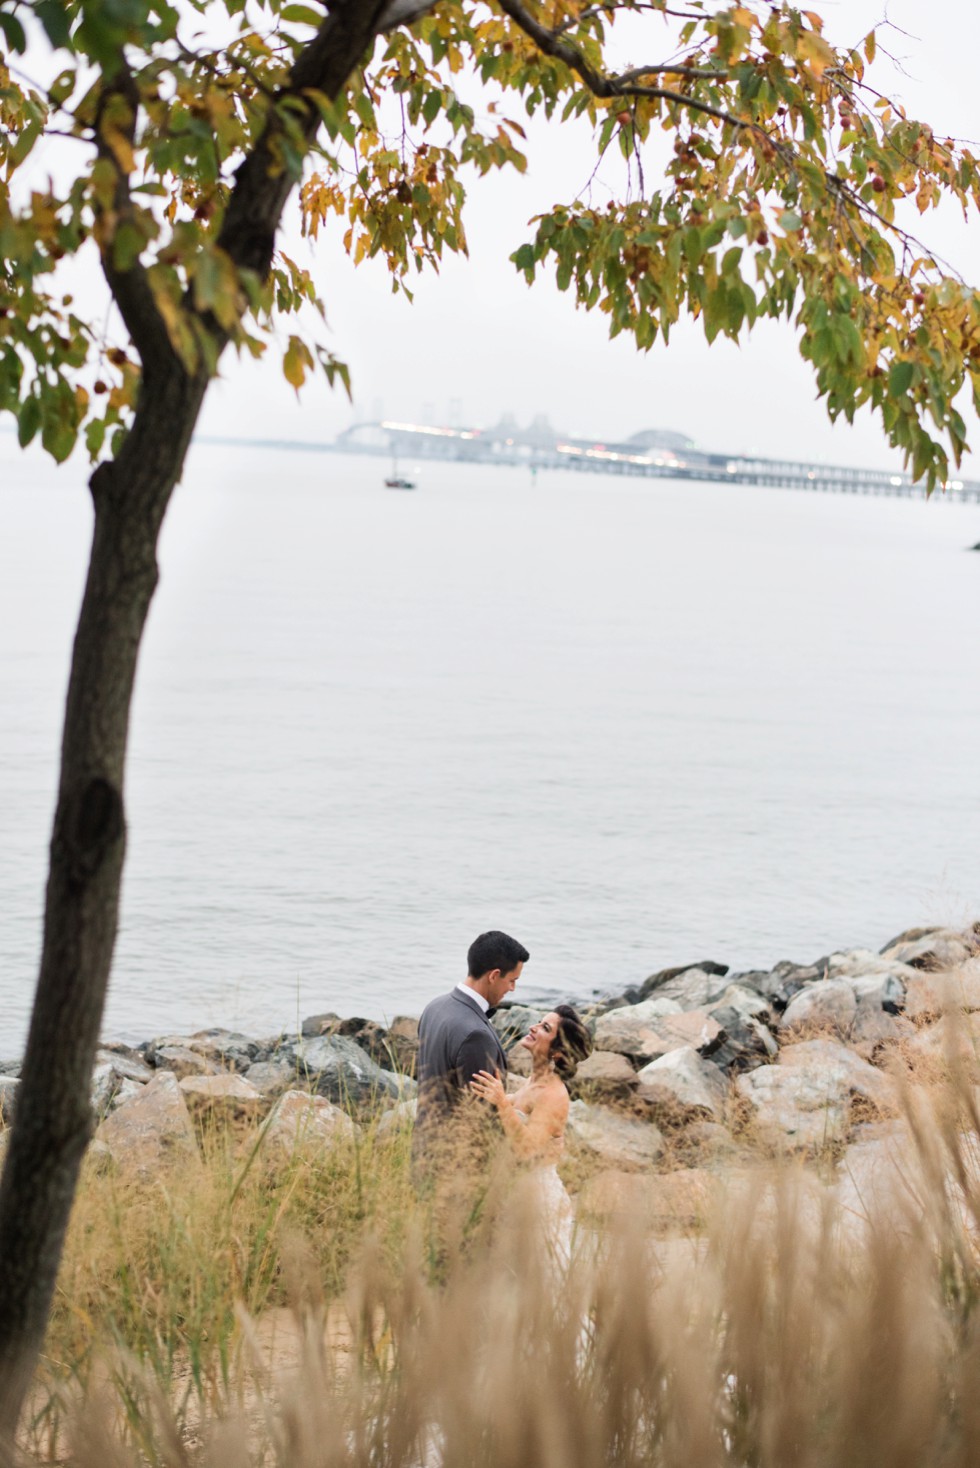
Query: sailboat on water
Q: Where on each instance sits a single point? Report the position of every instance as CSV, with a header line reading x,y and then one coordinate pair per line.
x,y
396,480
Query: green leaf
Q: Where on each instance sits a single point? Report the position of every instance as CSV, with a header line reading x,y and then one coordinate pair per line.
x,y
28,421
900,376
95,437
62,86
302,15
13,32
54,18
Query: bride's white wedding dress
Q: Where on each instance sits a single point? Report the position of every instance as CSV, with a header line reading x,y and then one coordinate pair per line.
x,y
552,1206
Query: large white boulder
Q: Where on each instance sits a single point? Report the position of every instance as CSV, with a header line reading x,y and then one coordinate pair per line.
x,y
654,1027
680,1086
828,1005
804,1100
612,1139
226,1095
151,1129
300,1122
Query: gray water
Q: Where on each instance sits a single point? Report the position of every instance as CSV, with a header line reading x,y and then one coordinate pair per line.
x,y
633,723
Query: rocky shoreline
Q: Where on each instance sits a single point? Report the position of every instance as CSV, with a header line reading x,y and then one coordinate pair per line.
x,y
688,1068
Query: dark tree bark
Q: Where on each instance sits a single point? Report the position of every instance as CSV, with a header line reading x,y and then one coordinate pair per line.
x,y
54,1120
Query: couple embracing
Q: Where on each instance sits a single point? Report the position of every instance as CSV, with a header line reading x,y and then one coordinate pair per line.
x,y
465,1110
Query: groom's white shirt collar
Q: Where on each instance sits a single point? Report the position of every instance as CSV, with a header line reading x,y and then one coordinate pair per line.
x,y
477,998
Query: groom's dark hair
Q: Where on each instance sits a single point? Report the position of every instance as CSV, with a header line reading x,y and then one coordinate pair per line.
x,y
494,950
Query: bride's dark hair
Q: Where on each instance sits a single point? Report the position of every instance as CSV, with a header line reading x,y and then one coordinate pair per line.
x,y
572,1042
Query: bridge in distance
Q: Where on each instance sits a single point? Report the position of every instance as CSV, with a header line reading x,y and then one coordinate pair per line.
x,y
653,454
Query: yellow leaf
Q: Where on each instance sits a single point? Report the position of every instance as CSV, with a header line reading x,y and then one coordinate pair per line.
x,y
814,51
296,362
741,16
870,46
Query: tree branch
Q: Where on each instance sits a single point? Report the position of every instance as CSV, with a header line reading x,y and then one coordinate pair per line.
x,y
552,44
693,73
607,87
263,182
115,130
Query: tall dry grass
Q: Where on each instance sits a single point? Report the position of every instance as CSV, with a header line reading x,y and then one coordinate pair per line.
x,y
786,1332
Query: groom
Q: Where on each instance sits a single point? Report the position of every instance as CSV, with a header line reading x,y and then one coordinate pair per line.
x,y
456,1039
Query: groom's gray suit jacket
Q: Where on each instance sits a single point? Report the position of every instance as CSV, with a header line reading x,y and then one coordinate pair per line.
x,y
456,1039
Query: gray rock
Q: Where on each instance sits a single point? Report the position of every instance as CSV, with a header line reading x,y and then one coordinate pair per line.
x,y
793,1109
225,1095
604,1076
124,1092
372,1038
344,1073
612,1139
151,1129
178,1057
658,983
320,1024
680,1086
781,983
928,995
299,1123
861,963
128,1061
400,1118
710,1141
746,1001
403,1044
874,1027
911,935
607,1002
747,1041
228,1049
954,1039
9,1086
642,1035
112,1068
103,1086
880,991
692,988
629,1031
10,1068
128,1067
827,1005
818,1057
271,1077
934,949
804,1100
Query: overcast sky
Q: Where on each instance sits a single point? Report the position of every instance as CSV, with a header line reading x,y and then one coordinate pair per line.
x,y
477,342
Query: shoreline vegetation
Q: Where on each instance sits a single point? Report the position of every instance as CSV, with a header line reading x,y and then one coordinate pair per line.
x,y
776,1177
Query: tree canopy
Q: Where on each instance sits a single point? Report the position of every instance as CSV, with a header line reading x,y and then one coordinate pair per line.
x,y
791,189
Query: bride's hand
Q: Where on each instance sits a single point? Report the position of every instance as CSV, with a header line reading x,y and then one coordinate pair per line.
x,y
489,1087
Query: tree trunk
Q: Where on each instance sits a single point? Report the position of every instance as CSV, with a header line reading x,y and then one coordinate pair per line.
x,y
53,1119
54,1115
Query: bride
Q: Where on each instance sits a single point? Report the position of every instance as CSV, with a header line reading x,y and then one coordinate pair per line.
x,y
534,1117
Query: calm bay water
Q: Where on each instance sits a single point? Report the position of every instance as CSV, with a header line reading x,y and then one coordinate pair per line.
x,y
632,723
